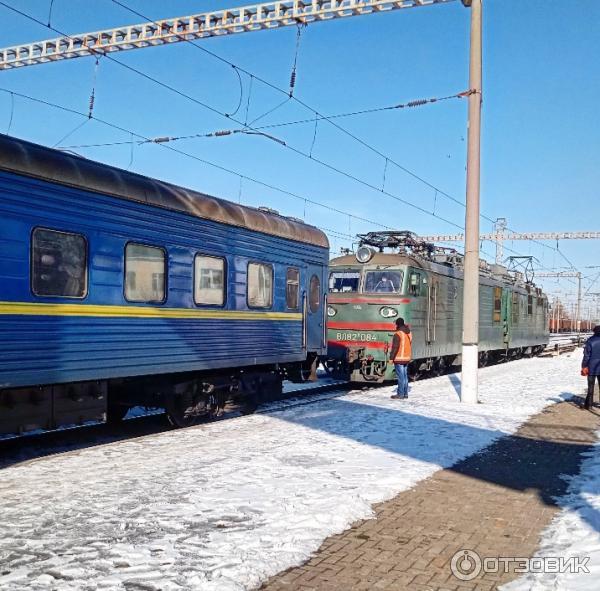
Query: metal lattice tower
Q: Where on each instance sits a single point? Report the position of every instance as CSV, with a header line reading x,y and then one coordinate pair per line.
x,y
245,19
578,276
500,235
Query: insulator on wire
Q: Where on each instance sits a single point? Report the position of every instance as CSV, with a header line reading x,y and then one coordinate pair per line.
x,y
161,140
93,93
222,132
418,103
292,81
92,100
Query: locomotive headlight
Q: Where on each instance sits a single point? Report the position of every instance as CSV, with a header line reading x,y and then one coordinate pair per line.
x,y
331,311
388,312
364,254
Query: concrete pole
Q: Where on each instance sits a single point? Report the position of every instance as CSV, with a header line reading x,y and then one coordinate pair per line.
x,y
578,314
470,345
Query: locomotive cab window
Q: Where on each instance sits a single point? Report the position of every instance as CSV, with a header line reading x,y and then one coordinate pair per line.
x,y
344,281
383,282
209,280
414,284
314,299
292,288
260,285
145,271
497,304
58,264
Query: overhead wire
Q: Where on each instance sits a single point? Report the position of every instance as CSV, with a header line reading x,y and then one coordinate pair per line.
x,y
256,128
217,111
318,115
50,12
74,130
303,104
12,112
146,140
235,111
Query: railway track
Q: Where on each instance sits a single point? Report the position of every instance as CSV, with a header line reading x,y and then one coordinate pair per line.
x,y
27,447
564,343
18,449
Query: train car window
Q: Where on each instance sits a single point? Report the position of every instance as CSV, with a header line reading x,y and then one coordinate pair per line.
x,y
59,264
414,284
344,281
383,282
145,272
497,304
209,280
260,285
314,296
292,288
529,305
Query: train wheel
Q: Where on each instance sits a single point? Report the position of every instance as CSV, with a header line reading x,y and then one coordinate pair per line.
x,y
413,372
483,359
180,411
115,413
249,406
439,367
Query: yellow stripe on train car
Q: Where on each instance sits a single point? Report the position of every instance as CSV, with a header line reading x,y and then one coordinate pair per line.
x,y
45,309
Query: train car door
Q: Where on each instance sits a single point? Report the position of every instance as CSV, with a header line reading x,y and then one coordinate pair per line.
x,y
432,290
506,314
314,312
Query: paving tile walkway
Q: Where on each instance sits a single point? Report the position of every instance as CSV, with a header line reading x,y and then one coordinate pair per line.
x,y
496,503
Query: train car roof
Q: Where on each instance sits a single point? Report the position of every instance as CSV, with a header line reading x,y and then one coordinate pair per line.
x,y
40,162
390,259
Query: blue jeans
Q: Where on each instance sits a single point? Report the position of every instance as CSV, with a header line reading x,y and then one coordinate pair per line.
x,y
402,374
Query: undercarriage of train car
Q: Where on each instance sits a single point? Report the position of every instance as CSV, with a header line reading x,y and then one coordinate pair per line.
x,y
187,398
360,365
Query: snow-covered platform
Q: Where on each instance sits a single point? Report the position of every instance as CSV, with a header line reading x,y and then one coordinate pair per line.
x,y
225,506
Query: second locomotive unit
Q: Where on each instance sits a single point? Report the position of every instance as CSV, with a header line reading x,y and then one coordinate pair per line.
x,y
394,274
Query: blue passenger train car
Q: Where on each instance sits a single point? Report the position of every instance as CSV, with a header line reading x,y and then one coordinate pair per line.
x,y
117,290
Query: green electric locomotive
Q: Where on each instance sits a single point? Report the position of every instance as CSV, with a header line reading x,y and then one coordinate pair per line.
x,y
395,274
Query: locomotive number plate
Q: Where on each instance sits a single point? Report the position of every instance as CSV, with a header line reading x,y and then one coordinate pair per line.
x,y
355,336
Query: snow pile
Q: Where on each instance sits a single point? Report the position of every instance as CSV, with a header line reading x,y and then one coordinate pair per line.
x,y
225,505
574,533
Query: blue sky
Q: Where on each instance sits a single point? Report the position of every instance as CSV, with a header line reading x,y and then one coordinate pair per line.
x,y
540,151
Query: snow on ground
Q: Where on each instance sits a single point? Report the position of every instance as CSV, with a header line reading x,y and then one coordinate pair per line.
x,y
225,505
574,533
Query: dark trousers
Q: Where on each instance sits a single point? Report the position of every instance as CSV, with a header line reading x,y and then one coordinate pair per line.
x,y
590,395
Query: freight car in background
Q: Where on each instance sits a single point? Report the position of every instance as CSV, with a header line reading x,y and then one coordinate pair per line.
x,y
119,290
394,274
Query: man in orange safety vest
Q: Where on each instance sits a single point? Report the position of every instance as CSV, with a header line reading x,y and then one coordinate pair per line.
x,y
400,356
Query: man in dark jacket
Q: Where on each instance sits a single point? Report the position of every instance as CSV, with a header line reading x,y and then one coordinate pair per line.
x,y
590,365
400,356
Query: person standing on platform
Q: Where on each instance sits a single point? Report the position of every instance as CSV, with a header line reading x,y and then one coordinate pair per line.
x,y
590,366
400,356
